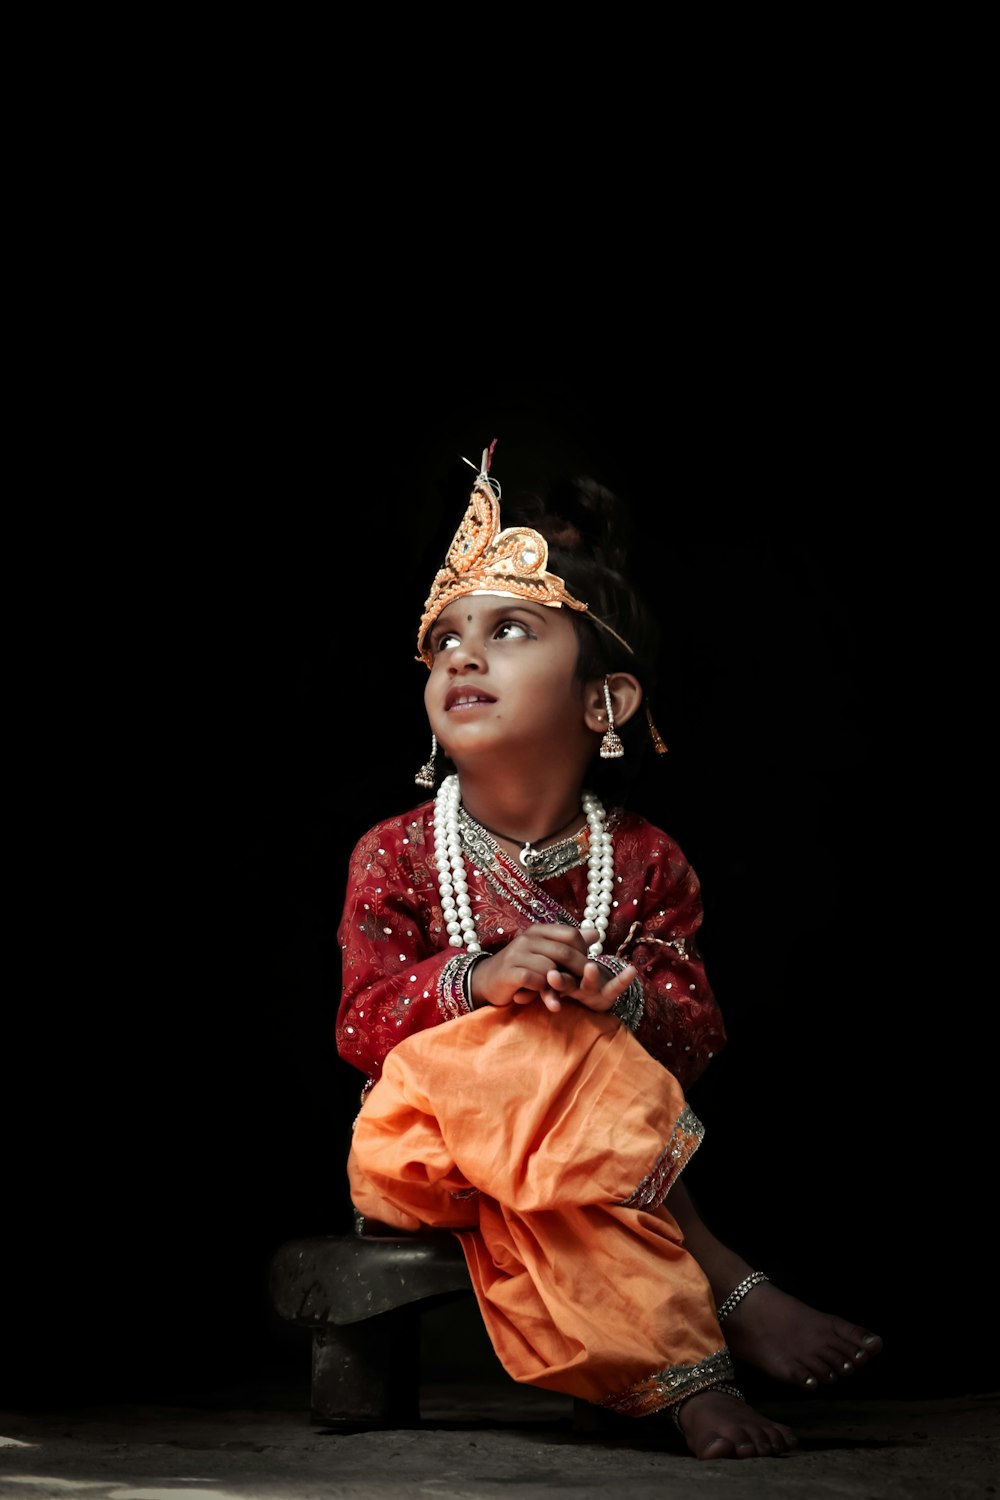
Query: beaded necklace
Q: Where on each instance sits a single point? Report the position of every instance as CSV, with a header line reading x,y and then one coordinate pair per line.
x,y
454,886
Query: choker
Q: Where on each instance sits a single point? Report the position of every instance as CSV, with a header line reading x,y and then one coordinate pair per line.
x,y
540,863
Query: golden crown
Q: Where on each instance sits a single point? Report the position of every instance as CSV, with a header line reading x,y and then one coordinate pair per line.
x,y
482,559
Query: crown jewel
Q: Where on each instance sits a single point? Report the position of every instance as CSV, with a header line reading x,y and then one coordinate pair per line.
x,y
482,559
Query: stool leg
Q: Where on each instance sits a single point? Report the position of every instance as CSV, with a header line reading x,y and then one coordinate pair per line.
x,y
368,1374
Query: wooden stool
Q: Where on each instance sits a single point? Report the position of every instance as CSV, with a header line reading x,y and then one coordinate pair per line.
x,y
361,1295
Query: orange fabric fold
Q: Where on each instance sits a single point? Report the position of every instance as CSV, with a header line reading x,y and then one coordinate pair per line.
x,y
547,1144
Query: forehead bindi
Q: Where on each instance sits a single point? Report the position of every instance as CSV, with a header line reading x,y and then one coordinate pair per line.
x,y
489,610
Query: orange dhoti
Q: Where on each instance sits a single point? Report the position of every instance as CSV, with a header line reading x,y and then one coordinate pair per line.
x,y
547,1143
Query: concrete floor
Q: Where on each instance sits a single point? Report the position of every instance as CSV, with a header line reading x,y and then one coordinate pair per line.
x,y
491,1441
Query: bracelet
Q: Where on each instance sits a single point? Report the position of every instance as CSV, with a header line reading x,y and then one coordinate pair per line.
x,y
629,1007
738,1293
454,997
467,979
723,1390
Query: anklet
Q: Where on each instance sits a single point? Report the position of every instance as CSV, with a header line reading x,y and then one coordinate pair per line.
x,y
723,1390
738,1293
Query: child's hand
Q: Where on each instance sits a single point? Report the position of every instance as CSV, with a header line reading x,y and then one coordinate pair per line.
x,y
548,962
597,989
523,971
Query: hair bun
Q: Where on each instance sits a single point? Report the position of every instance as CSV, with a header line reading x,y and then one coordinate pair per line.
x,y
578,515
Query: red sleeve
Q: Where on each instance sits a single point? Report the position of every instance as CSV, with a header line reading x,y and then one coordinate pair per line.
x,y
392,942
656,924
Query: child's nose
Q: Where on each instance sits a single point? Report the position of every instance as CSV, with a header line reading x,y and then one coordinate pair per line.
x,y
467,655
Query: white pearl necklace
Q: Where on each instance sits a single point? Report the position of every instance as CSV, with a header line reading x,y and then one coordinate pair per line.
x,y
454,887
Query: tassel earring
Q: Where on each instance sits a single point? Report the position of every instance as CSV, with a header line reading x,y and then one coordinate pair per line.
x,y
659,744
425,776
611,746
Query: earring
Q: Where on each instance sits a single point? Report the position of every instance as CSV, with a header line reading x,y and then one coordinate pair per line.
x,y
425,776
611,746
659,744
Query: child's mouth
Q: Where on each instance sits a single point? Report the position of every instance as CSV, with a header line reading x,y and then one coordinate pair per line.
x,y
462,701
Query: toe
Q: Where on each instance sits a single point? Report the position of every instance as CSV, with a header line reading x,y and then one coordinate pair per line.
x,y
853,1336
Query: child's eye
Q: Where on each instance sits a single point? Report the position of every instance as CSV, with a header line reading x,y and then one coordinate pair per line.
x,y
446,642
511,629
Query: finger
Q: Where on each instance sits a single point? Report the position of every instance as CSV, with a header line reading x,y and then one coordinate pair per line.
x,y
560,955
533,970
564,932
560,981
557,930
599,990
550,1000
618,983
598,980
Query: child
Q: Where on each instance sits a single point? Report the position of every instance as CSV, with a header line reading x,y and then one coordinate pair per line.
x,y
522,985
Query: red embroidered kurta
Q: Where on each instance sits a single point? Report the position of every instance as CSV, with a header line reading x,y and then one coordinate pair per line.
x,y
394,943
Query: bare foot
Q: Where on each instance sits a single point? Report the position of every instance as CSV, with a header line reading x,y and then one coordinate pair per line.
x,y
716,1425
792,1342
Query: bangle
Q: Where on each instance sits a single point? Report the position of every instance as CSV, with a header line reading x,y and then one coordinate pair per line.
x,y
630,1007
738,1293
467,979
454,996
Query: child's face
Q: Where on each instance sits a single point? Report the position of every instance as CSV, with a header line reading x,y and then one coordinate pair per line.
x,y
504,678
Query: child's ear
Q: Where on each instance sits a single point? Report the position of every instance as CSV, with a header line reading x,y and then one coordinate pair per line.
x,y
626,697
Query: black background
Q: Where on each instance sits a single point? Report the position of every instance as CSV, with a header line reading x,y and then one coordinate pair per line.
x,y
235,699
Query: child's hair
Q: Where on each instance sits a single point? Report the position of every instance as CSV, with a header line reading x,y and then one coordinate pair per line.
x,y
589,529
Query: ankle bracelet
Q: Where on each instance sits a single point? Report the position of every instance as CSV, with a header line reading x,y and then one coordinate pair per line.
x,y
723,1390
738,1293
